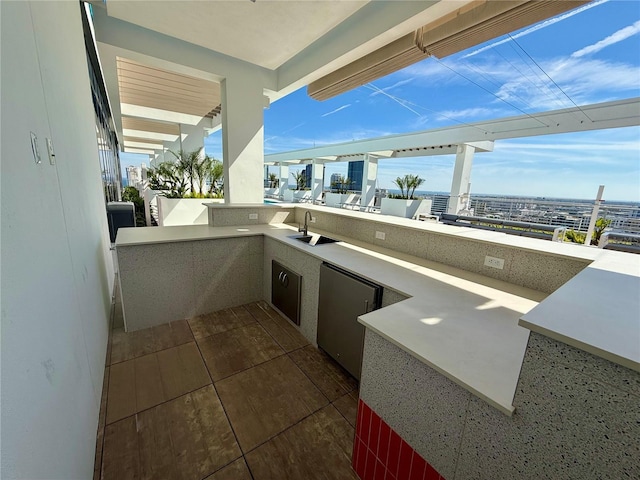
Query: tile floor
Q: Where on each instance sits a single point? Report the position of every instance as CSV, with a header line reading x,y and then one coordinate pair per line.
x,y
235,394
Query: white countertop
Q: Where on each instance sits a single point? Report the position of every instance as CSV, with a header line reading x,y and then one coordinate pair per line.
x,y
597,311
465,325
462,324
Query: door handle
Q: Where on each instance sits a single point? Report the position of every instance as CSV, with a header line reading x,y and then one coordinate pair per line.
x,y
280,276
285,280
366,306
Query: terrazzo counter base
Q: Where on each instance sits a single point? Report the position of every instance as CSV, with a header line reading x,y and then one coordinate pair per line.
x,y
576,416
462,324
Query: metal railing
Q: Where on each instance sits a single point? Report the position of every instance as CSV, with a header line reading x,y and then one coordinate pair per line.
x,y
622,242
554,233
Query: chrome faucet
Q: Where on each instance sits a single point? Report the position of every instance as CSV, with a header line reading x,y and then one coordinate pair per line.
x,y
305,229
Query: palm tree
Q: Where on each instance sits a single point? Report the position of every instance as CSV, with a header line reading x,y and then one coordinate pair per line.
x,y
300,178
401,183
201,172
168,177
215,174
412,182
342,184
274,181
188,163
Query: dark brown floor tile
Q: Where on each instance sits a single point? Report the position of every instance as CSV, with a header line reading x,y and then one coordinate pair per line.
x,y
281,329
332,380
182,370
126,346
147,381
171,335
236,471
149,392
217,322
265,400
347,405
235,350
187,438
120,458
319,447
118,316
121,399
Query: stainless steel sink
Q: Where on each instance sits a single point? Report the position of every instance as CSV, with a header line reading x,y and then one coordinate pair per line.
x,y
314,239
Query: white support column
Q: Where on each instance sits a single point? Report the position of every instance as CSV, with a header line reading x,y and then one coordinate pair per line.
x,y
284,178
369,176
461,178
242,139
191,138
594,216
317,182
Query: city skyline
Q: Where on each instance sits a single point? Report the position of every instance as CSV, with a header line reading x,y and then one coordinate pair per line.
x,y
588,55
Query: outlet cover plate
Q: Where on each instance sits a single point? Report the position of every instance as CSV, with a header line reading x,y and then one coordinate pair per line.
x,y
494,262
253,216
380,235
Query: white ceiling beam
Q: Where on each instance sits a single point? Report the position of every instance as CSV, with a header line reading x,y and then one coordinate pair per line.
x,y
162,51
616,114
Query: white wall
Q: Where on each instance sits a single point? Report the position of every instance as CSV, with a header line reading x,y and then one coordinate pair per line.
x,y
183,211
57,274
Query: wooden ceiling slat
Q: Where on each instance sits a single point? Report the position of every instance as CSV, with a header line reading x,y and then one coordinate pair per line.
x,y
167,92
171,107
122,75
150,126
128,65
135,98
137,90
137,83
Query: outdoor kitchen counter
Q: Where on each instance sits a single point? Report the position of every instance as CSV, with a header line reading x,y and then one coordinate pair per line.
x,y
463,325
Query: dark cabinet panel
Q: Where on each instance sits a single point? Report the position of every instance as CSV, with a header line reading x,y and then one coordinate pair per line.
x,y
285,291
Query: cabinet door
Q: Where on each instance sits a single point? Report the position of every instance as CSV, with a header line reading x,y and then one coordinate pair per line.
x,y
342,299
285,291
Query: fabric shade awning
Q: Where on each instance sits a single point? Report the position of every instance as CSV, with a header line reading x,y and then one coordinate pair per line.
x,y
470,25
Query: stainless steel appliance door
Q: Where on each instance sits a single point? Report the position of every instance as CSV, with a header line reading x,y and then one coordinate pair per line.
x,y
343,298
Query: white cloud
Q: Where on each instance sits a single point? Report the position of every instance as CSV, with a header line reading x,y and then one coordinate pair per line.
x,y
391,87
536,27
336,110
616,37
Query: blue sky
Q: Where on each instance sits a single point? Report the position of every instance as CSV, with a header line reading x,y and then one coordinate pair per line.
x,y
592,55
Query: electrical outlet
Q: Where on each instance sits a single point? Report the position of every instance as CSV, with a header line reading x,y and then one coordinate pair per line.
x,y
494,262
253,216
313,219
380,235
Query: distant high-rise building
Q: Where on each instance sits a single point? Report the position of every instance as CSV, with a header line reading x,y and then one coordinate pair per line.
x,y
134,176
308,172
336,178
354,173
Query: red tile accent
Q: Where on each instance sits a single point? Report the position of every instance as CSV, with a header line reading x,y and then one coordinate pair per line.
x,y
366,424
394,452
374,434
406,455
431,474
383,443
380,471
417,467
379,453
362,459
369,470
359,421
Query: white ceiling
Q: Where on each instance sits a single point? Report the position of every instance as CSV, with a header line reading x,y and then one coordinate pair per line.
x,y
266,33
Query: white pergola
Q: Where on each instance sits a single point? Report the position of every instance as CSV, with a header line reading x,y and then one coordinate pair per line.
x,y
463,141
177,70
